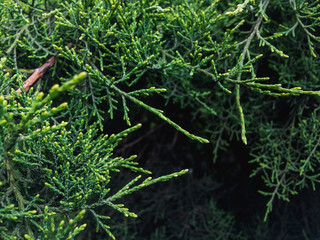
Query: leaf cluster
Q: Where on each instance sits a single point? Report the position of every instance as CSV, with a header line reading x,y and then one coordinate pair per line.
x,y
228,61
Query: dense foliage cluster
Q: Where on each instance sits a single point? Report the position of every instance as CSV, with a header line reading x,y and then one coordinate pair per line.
x,y
244,73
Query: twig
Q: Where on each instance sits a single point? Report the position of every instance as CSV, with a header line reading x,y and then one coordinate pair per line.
x,y
38,73
28,71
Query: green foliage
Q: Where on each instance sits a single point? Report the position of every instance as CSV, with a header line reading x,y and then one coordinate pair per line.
x,y
56,169
247,70
286,178
52,170
231,64
184,209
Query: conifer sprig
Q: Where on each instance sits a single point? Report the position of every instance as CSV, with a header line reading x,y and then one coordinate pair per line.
x,y
226,62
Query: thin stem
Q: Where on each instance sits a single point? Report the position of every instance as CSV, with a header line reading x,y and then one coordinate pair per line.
x,y
28,71
245,53
17,38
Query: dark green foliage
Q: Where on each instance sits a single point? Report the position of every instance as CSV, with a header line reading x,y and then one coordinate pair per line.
x,y
247,71
184,209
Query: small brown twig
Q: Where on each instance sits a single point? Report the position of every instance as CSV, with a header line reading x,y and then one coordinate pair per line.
x,y
38,73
